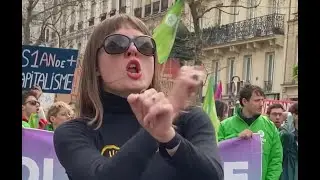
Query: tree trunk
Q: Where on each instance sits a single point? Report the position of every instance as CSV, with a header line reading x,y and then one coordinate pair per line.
x,y
196,25
26,34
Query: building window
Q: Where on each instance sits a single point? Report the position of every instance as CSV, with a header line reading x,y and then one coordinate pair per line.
x,y
164,5
297,50
73,16
47,35
147,8
80,25
81,13
104,6
231,68
71,27
251,11
63,20
91,21
155,6
138,8
269,66
137,12
79,46
114,8
70,43
122,6
63,31
274,7
247,68
216,71
53,35
234,9
93,9
219,12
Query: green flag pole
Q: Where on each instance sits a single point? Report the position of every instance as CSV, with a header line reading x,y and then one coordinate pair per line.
x,y
165,34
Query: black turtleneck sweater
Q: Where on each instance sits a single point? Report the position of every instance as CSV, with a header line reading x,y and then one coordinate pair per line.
x,y
121,150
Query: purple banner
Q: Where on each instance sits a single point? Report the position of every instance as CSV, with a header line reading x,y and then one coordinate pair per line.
x,y
242,158
39,160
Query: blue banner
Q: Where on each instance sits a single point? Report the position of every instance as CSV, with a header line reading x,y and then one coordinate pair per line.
x,y
50,68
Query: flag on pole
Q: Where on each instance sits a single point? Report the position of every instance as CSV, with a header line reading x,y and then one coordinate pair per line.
x,y
218,92
165,34
209,106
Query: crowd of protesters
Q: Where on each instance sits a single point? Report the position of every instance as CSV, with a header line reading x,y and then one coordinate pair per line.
x,y
34,116
278,128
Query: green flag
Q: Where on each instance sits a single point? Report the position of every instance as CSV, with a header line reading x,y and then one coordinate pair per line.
x,y
165,33
209,106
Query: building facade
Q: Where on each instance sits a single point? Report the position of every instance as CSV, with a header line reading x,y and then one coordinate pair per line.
x,y
290,85
257,44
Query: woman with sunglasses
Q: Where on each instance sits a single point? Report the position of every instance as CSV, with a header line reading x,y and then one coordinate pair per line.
x,y
127,130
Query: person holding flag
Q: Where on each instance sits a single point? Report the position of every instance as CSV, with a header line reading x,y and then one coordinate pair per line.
x,y
126,129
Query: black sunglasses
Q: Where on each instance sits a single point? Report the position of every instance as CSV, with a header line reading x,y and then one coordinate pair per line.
x,y
119,43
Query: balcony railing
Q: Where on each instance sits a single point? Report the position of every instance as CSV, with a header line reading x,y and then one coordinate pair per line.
x,y
256,27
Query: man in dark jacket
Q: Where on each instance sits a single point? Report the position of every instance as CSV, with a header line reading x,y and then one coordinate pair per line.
x,y
290,148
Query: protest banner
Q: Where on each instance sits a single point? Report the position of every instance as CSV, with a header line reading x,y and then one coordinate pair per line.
x,y
242,158
39,160
50,68
267,102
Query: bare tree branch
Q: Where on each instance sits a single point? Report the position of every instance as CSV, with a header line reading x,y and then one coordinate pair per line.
x,y
62,5
33,3
218,7
233,14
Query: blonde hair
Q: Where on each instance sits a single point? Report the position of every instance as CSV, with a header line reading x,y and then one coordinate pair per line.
x,y
90,105
56,107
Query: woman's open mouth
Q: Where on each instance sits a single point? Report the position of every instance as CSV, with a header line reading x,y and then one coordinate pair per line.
x,y
134,69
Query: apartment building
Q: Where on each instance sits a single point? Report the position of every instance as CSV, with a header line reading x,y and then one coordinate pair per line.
x,y
252,44
290,85
258,44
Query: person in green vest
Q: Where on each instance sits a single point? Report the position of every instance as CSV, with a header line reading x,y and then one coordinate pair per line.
x,y
289,141
248,120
